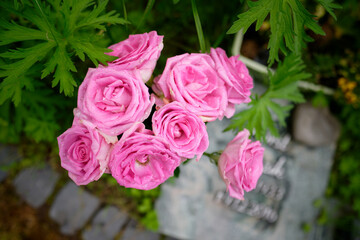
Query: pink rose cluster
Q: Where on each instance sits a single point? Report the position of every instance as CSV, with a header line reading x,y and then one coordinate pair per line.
x,y
108,134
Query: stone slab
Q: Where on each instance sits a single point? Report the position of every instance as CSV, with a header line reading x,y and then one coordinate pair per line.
x,y
34,185
106,224
72,208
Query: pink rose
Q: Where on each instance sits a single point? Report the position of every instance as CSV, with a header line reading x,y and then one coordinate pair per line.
x,y
139,51
192,80
235,74
84,152
141,160
182,129
241,164
113,100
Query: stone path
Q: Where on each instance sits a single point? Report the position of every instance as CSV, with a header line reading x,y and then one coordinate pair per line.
x,y
72,208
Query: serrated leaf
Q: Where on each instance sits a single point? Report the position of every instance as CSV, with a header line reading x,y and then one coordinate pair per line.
x,y
262,112
41,130
13,32
15,73
94,53
94,19
288,18
63,64
329,6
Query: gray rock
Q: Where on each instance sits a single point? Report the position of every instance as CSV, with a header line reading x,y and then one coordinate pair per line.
x,y
9,155
315,126
133,233
106,224
72,208
35,185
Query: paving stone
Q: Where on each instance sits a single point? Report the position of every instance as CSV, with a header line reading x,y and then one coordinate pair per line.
x,y
8,155
106,224
35,185
72,208
3,175
133,233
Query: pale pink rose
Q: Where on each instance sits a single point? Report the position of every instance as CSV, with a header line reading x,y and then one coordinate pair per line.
x,y
139,51
141,160
113,100
84,152
182,129
241,164
235,74
192,80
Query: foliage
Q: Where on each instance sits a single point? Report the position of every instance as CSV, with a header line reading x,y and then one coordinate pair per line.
x,y
145,201
282,85
42,40
288,20
62,29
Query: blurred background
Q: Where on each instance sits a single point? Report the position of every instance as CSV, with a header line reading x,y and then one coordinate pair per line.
x,y
311,183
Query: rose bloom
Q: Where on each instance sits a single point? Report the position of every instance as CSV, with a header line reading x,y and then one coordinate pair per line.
x,y
84,151
139,51
241,164
192,80
182,129
113,100
141,160
238,82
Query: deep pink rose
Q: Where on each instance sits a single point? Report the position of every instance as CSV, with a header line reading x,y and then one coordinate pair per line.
x,y
84,151
139,51
235,74
113,100
241,164
182,129
141,160
192,80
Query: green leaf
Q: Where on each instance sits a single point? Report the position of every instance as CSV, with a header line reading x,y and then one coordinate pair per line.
x,y
52,24
150,221
288,18
41,130
94,53
94,19
329,6
264,110
63,64
13,32
15,73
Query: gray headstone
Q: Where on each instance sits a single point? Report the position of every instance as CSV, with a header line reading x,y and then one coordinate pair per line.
x,y
106,224
133,233
72,208
187,208
315,126
35,185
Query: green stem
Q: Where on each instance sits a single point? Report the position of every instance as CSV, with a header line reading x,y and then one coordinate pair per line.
x,y
198,27
148,8
213,157
125,15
